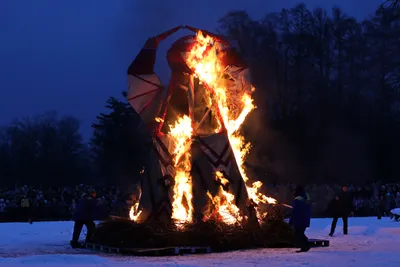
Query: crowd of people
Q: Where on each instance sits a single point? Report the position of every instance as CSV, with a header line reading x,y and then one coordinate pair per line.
x,y
38,203
375,199
54,203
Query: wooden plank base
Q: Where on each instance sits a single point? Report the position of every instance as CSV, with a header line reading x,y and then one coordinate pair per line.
x,y
170,251
318,243
166,251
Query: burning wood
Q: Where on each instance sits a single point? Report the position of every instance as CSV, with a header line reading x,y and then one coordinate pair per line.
x,y
205,60
228,100
123,233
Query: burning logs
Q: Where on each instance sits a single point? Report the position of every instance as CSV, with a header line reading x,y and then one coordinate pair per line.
x,y
124,233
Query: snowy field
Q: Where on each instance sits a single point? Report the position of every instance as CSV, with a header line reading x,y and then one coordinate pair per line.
x,y
370,243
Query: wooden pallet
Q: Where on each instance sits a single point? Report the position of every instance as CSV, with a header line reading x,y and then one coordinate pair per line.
x,y
102,248
312,241
318,243
166,251
169,251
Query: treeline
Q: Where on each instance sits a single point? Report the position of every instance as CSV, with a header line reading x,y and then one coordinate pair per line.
x,y
44,150
327,94
49,150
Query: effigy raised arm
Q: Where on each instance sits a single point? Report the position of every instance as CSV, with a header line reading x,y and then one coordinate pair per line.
x,y
166,34
146,92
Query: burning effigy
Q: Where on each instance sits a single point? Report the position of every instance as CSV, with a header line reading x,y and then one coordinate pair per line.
x,y
196,174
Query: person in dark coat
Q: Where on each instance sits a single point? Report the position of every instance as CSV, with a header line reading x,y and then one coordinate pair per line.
x,y
26,209
381,206
300,219
341,207
382,202
84,215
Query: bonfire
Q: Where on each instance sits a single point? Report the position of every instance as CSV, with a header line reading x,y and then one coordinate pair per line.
x,y
196,183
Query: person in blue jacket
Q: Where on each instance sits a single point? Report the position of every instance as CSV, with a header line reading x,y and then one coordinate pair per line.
x,y
84,215
301,216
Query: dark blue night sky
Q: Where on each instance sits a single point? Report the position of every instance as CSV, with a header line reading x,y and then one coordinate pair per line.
x,y
70,56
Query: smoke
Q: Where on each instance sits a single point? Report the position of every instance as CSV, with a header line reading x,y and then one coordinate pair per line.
x,y
272,158
344,156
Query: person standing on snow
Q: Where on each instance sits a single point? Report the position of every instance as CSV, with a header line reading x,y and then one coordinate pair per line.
x,y
84,215
301,216
342,207
3,207
381,206
26,209
397,200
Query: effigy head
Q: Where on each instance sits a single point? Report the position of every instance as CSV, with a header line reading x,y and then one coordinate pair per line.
x,y
229,71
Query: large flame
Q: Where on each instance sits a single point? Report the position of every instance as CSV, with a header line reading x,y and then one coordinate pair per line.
x,y
223,203
182,207
205,62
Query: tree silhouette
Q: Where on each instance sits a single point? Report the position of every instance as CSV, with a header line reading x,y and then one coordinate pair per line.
x,y
119,145
44,150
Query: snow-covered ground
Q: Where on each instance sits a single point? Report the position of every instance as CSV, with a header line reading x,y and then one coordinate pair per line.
x,y
370,243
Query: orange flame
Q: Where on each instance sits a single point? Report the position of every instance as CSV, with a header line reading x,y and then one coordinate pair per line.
x,y
205,62
224,202
182,207
134,212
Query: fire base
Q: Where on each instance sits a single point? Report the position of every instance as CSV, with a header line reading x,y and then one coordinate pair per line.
x,y
126,234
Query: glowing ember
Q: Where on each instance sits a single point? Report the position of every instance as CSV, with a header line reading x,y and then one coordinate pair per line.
x,y
134,213
158,119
